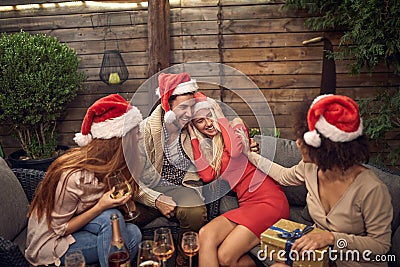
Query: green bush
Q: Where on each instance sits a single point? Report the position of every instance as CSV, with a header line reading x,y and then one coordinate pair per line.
x,y
371,36
39,77
381,114
371,32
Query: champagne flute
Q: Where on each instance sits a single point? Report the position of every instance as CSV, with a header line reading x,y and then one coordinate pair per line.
x,y
190,245
146,256
163,244
74,259
122,188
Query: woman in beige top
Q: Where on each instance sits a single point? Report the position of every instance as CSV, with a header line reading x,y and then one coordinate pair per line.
x,y
344,197
72,206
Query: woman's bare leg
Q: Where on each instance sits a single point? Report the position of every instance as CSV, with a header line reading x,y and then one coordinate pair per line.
x,y
211,236
233,250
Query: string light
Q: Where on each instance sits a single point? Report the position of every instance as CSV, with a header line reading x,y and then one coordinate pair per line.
x,y
116,5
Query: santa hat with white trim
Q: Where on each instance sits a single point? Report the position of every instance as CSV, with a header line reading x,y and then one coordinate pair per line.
x,y
201,102
108,117
173,84
336,117
204,102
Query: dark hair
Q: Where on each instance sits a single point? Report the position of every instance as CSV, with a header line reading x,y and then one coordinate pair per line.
x,y
173,97
331,154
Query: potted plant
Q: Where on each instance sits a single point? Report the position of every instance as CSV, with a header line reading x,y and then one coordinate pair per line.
x,y
39,77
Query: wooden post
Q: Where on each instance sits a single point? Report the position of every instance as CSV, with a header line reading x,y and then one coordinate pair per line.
x,y
158,40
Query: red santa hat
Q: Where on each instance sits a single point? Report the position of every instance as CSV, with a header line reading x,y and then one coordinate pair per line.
x,y
108,117
201,102
173,84
204,102
336,117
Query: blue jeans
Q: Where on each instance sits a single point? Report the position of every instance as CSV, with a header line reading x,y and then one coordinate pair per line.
x,y
95,237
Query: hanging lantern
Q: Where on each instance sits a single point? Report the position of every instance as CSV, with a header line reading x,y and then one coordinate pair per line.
x,y
113,70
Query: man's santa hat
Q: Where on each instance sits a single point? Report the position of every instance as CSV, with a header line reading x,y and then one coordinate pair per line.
x,y
108,117
173,84
336,117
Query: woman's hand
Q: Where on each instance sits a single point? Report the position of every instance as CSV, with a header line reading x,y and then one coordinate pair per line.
x,y
313,241
106,202
191,131
166,205
254,146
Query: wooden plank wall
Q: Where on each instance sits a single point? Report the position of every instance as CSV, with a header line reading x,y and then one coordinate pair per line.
x,y
258,38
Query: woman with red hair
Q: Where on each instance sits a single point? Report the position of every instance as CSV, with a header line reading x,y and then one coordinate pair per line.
x,y
72,206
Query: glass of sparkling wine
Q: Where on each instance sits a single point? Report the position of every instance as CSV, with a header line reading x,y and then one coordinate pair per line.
x,y
122,188
190,245
146,256
74,258
163,247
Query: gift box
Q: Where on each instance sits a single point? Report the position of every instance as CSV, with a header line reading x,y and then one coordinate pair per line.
x,y
276,243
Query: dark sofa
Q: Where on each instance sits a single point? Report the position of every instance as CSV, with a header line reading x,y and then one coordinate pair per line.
x,y
14,206
14,201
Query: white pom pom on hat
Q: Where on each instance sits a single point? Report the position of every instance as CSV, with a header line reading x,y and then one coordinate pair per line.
x,y
312,138
336,117
83,140
108,117
173,84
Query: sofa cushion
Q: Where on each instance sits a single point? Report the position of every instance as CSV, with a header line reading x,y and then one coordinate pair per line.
x,y
395,248
228,203
392,181
279,150
20,239
11,255
296,195
13,203
285,153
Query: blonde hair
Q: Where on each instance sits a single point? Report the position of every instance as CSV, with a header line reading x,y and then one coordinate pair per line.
x,y
212,149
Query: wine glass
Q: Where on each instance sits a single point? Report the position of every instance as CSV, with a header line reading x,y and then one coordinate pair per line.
x,y
122,188
190,245
146,256
74,258
163,244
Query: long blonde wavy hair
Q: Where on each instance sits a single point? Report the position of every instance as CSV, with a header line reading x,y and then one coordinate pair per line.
x,y
212,148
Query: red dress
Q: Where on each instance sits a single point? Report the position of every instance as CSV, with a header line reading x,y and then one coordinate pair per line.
x,y
262,201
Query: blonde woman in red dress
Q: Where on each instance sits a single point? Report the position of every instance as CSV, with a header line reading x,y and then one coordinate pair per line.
x,y
217,148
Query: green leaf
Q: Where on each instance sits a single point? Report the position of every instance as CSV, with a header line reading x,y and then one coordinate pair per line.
x,y
39,76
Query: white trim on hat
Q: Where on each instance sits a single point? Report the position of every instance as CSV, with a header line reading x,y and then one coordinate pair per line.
x,y
335,134
201,105
182,88
186,87
114,127
117,127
